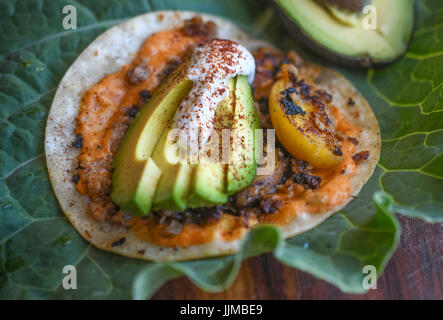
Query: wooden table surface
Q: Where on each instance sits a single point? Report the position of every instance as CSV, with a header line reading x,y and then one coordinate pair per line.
x,y
414,272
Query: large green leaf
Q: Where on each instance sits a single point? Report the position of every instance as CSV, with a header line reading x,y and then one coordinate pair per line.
x,y
36,241
408,100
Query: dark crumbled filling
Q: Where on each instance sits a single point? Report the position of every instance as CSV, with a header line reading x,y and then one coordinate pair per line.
x,y
78,143
196,26
263,105
75,178
353,140
172,64
269,205
301,175
337,151
119,242
132,112
144,96
361,156
308,181
324,95
174,220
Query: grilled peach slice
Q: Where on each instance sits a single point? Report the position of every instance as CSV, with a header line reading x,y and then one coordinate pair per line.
x,y
302,124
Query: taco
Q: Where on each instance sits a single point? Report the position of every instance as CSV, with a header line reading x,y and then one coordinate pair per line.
x,y
327,139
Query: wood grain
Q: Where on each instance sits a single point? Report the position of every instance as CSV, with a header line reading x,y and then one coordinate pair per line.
x,y
414,272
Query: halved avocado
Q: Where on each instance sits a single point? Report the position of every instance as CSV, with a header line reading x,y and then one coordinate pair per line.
x,y
339,34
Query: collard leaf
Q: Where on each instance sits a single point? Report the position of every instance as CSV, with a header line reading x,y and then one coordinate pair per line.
x,y
407,98
336,251
36,241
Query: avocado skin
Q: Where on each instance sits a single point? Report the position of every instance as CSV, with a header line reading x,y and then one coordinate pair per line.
x,y
347,61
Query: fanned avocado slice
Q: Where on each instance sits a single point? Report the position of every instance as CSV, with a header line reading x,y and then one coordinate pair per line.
x,y
243,166
173,186
355,36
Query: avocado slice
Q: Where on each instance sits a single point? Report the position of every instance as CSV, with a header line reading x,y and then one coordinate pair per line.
x,y
209,185
209,178
243,165
173,186
339,35
136,175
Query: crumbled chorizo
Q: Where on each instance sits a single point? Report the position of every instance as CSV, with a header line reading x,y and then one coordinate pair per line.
x,y
361,156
